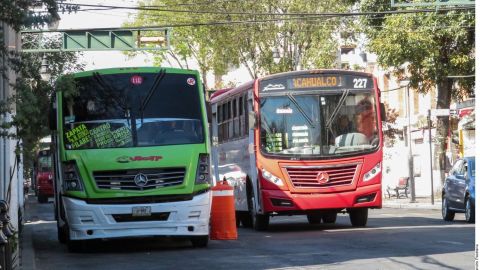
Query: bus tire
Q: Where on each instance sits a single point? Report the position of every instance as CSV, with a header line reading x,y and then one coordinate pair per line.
x,y
76,246
329,217
358,216
314,218
62,233
42,198
199,241
246,219
261,222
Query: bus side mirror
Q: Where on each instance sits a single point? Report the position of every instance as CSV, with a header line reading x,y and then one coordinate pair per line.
x,y
252,120
209,111
383,113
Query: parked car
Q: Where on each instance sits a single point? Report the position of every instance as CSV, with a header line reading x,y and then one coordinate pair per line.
x,y
458,194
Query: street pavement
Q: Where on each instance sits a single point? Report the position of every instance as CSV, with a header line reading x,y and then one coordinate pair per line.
x,y
402,235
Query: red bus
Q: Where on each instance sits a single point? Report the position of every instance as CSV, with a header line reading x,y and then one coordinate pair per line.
x,y
302,142
43,175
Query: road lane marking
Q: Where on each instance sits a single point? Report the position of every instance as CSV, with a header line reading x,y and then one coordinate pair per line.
x,y
450,242
403,227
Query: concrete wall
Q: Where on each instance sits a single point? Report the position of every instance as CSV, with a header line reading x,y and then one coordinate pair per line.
x,y
11,177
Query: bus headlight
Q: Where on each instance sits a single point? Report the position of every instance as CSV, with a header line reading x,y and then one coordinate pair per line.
x,y
373,172
71,178
203,169
272,178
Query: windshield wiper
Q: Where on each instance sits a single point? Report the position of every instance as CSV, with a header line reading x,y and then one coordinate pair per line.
x,y
124,106
336,110
158,78
294,101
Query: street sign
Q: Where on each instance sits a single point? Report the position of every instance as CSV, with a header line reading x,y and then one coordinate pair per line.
x,y
118,39
440,112
444,112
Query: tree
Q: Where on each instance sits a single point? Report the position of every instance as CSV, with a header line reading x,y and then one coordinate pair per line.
x,y
30,101
426,48
232,33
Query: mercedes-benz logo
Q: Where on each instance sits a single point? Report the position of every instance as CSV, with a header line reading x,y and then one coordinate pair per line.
x,y
140,180
323,177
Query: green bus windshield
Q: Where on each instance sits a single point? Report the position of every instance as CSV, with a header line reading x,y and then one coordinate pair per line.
x,y
133,110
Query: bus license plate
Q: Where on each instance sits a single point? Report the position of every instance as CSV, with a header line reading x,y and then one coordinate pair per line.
x,y
141,211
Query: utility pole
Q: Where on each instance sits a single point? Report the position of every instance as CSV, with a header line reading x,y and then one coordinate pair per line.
x,y
410,157
429,120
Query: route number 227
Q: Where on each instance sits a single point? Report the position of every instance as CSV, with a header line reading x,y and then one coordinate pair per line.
x,y
359,83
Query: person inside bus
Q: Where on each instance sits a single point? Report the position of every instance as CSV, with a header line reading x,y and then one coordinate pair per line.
x,y
344,125
365,132
365,119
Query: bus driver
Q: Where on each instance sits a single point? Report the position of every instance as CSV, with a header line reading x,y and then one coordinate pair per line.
x,y
365,119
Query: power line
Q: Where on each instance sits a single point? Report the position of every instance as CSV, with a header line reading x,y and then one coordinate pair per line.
x,y
327,14
215,23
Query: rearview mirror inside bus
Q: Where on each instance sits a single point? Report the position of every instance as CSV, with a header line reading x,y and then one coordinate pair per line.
x,y
252,120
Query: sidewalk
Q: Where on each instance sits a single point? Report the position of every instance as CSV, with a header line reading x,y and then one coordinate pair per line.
x,y
27,249
420,203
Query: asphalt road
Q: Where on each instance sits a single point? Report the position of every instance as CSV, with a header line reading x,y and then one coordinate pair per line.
x,y
392,239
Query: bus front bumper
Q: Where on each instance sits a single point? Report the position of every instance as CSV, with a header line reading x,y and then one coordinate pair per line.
x,y
93,221
284,201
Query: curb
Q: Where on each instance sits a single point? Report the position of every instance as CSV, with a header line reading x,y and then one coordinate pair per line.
x,y
436,206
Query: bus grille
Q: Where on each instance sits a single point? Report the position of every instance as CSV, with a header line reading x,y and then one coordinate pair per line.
x,y
125,179
310,177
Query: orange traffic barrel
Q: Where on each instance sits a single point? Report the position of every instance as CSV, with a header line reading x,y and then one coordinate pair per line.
x,y
222,218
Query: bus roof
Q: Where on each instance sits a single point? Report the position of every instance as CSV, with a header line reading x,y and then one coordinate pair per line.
x,y
134,70
316,71
227,92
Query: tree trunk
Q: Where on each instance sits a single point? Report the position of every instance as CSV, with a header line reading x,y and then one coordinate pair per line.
x,y
444,96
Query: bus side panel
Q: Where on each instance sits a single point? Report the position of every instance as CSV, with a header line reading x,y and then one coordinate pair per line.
x,y
234,166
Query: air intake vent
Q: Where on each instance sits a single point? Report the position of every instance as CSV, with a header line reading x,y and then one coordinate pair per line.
x,y
322,177
140,179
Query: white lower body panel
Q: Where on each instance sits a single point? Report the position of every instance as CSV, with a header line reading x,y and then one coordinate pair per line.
x,y
93,221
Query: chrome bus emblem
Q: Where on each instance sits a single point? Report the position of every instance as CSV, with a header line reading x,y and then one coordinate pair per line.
x,y
323,177
140,180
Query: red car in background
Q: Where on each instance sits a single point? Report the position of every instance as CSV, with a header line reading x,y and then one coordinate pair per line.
x,y
43,175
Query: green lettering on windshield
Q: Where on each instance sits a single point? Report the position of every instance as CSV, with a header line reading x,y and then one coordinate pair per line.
x,y
102,135
122,136
78,136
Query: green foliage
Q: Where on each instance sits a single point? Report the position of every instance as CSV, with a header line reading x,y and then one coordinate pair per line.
x,y
249,39
18,13
426,48
67,85
435,45
30,103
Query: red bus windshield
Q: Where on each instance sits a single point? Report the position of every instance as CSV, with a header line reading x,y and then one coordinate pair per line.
x,y
318,117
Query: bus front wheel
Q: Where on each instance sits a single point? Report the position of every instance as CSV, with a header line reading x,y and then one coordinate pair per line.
x,y
358,216
62,233
199,241
42,198
75,246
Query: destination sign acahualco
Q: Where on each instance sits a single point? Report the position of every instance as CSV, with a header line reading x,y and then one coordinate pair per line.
x,y
315,82
303,82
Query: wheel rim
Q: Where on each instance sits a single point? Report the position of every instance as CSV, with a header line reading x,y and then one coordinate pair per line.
x,y
467,210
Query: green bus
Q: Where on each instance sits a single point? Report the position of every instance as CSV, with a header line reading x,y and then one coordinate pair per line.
x,y
131,155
